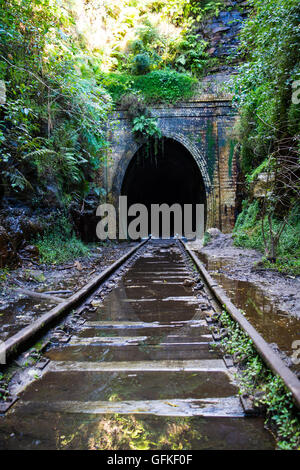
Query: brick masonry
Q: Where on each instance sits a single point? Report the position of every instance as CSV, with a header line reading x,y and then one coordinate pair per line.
x,y
204,128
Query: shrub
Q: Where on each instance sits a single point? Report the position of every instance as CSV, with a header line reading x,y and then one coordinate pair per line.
x,y
59,244
141,63
247,233
164,86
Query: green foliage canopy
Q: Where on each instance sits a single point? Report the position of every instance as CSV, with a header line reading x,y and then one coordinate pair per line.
x,y
53,122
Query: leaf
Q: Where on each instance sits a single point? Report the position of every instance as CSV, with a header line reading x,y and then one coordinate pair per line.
x,y
78,266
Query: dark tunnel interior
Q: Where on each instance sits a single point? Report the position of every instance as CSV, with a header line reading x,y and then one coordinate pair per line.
x,y
164,172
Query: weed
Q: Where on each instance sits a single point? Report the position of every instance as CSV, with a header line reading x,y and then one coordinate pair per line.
x,y
248,233
268,389
59,244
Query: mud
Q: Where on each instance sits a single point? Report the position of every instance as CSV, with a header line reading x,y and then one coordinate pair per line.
x,y
270,300
18,310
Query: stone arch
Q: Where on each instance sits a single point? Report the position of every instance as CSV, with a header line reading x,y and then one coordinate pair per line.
x,y
133,147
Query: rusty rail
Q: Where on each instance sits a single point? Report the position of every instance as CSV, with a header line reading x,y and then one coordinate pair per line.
x,y
268,355
13,344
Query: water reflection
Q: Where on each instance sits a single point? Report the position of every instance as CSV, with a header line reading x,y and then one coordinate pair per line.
x,y
275,325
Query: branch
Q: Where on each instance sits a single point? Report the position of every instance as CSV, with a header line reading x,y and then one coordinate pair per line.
x,y
30,73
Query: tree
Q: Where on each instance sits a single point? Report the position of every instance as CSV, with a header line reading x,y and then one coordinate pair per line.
x,y
282,193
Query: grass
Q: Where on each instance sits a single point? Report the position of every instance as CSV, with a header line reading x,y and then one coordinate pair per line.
x,y
54,249
59,244
247,233
160,86
257,380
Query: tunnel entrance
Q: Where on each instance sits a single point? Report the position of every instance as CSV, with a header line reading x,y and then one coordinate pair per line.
x,y
164,171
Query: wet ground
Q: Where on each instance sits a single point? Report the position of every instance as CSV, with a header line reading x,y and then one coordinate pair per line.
x,y
18,309
140,373
271,301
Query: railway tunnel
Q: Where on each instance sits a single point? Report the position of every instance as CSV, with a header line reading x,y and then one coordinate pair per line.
x,y
164,171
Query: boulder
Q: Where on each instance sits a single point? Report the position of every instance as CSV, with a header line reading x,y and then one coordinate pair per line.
x,y
30,251
262,185
214,232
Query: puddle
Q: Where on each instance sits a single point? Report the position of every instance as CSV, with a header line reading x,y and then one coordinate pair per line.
x,y
19,314
46,430
275,325
17,311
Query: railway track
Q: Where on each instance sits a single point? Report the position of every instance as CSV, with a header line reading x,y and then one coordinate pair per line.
x,y
132,366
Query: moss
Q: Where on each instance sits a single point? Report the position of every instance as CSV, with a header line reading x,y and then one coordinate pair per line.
x,y
206,238
232,145
211,149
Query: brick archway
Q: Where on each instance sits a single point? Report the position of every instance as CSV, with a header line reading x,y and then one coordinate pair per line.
x,y
133,148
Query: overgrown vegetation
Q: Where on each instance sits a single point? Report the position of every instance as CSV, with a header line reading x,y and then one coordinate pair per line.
x,y
248,233
59,243
269,130
155,34
52,124
156,49
270,43
161,86
260,383
144,126
63,63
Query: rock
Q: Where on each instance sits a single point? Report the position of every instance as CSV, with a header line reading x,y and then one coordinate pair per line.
x,y
262,185
14,231
258,395
222,32
4,246
34,275
84,217
30,251
20,227
31,227
214,232
219,29
189,282
283,356
51,197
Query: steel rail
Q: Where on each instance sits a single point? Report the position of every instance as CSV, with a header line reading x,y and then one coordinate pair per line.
x,y
274,362
13,344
